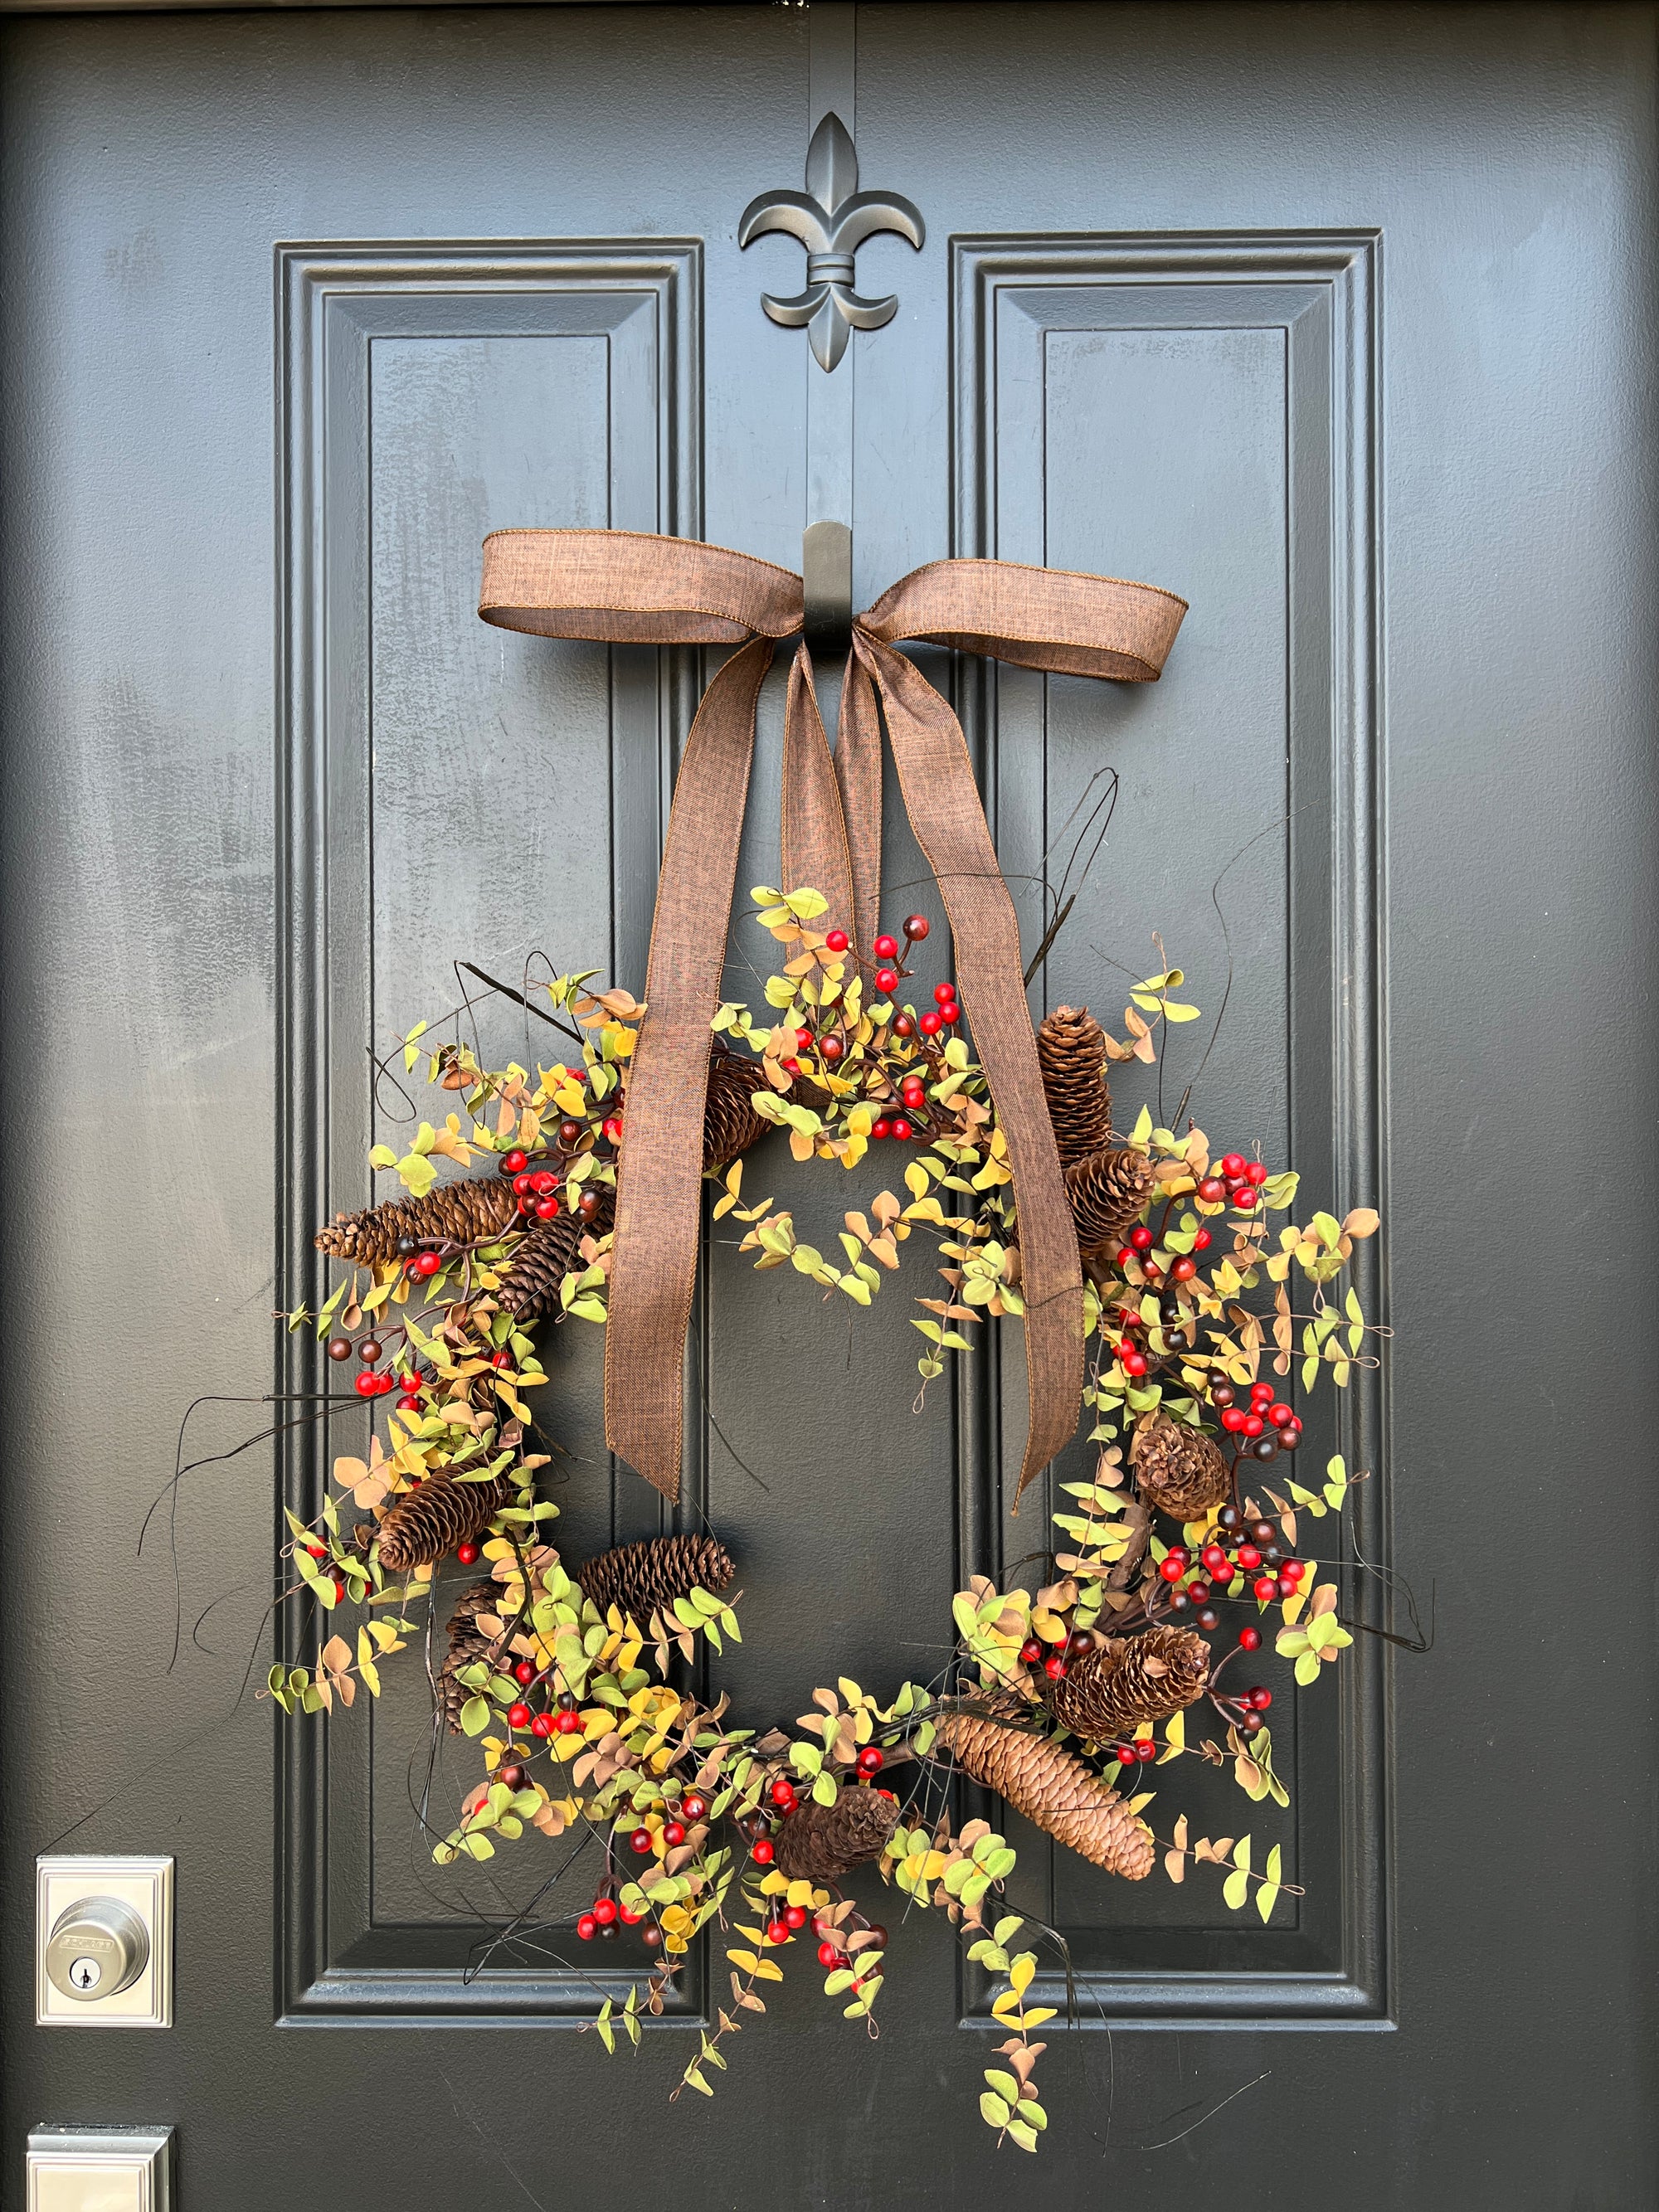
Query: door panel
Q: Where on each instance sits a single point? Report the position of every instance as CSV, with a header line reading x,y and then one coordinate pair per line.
x,y
1336,320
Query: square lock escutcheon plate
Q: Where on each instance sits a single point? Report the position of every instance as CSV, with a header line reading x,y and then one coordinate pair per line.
x,y
103,1941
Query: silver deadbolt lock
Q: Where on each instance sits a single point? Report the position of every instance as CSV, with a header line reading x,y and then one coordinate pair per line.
x,y
98,1946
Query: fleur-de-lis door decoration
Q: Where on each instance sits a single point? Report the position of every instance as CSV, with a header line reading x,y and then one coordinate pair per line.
x,y
832,218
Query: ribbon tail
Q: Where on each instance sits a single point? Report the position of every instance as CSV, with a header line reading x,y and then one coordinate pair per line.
x,y
660,1176
816,850
857,771
942,800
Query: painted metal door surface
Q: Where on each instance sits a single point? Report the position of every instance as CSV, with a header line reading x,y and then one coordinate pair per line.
x,y
1335,320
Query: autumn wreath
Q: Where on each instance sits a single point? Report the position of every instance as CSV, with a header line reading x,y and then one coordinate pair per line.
x,y
1178,1553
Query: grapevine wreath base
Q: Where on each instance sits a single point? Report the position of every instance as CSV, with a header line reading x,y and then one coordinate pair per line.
x,y
1180,1553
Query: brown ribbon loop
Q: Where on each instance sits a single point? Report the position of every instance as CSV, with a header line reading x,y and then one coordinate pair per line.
x,y
614,585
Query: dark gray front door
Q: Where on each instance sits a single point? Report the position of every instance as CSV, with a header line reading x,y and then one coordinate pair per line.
x,y
1335,320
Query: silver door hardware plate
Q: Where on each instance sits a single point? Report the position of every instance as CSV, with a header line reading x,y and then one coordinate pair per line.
x,y
100,2170
103,1943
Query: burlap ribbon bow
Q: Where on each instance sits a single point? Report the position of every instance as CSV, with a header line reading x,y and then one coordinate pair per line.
x,y
627,588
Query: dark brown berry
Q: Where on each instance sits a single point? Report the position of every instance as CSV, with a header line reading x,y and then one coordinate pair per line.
x,y
369,1351
339,1347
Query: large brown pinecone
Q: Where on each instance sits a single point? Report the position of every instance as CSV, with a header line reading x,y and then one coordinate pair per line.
x,y
641,1579
468,1646
1072,1052
429,1521
463,1213
1107,1191
730,1123
1051,1788
530,1287
1106,1694
821,1843
1179,1469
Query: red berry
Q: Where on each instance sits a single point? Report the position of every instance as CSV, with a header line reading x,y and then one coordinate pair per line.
x,y
518,1716
367,1385
1141,1238
916,925
673,1835
1249,1557
542,1726
1201,1240
951,1013
514,1162
829,1956
613,1128
884,1127
1266,1587
1232,1166
1030,1651
570,1723
1172,1567
1213,1190
588,1927
835,941
803,1038
904,1026
1146,1749
1245,1199
886,948
640,1841
524,1186
886,979
1292,1570
902,1129
1133,1363
605,1911
1254,1424
547,1209
1214,1557
831,1049
626,1915
794,1916
1281,1416
1183,1269
467,1553
693,1805
1125,1755
871,1761
943,993
930,1022
1125,1252
914,1090
1288,1586
426,1263
1250,1639
1256,1173
1055,1667
1198,1592
1261,1699
1233,1419
1261,1393
543,1180
317,1551
783,1792
777,1931
503,1359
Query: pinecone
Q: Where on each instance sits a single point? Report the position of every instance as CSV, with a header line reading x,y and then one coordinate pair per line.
x,y
530,1288
1179,1469
467,1647
463,1212
1108,1692
1072,1052
1051,1787
1107,1191
821,1843
641,1579
426,1523
730,1123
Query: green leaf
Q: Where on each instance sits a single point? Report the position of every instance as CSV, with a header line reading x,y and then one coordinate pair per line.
x,y
995,2110
1021,2134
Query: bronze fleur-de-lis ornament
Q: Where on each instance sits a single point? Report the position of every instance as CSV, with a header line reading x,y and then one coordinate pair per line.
x,y
832,218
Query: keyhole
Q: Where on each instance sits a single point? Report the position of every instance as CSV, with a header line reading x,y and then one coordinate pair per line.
x,y
84,1973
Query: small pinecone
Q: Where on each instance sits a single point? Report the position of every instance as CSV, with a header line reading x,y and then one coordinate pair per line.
x,y
1179,1470
730,1123
1108,1692
1072,1052
641,1579
821,1843
467,1646
463,1213
1051,1788
426,1523
530,1288
1107,1191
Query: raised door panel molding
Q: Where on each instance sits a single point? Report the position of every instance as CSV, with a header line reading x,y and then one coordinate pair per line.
x,y
451,788
1199,411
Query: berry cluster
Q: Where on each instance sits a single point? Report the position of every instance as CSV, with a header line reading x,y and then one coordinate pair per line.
x,y
1265,1427
829,1042
559,1718
374,1381
1251,1556
1238,1184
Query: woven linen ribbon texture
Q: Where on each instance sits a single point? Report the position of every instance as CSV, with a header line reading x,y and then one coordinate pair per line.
x,y
622,587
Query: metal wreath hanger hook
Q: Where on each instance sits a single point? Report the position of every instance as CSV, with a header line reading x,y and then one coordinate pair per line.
x,y
832,218
826,569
